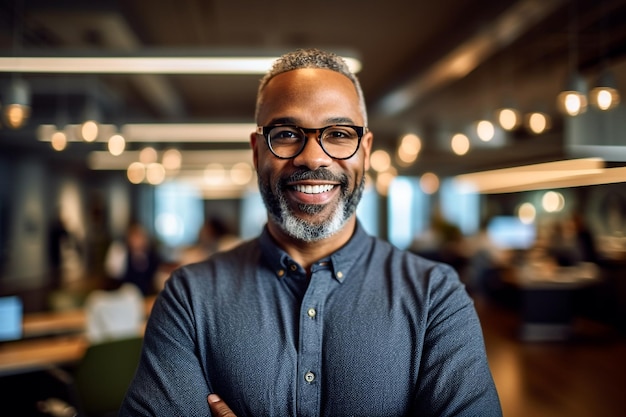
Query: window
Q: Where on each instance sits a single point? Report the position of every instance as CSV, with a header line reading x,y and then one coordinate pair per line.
x,y
409,211
179,213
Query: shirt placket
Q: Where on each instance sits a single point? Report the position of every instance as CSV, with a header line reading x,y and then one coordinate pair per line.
x,y
310,342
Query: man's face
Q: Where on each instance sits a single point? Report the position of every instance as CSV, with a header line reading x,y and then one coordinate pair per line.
x,y
311,196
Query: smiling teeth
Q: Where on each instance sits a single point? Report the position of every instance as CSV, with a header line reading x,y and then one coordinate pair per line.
x,y
313,189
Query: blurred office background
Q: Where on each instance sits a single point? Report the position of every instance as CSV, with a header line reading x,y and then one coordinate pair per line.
x,y
500,148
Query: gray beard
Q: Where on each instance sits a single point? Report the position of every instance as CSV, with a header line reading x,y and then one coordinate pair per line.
x,y
281,214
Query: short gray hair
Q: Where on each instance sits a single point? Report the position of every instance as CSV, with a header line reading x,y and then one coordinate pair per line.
x,y
310,58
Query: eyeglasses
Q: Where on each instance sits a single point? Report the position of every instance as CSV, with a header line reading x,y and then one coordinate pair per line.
x,y
337,141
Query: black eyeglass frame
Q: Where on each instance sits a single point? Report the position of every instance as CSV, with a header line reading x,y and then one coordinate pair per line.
x,y
265,132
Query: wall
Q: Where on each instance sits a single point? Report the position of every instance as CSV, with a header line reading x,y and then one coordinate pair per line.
x,y
25,200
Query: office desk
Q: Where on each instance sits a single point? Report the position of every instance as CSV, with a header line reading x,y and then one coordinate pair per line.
x,y
63,322
50,339
34,354
54,323
547,298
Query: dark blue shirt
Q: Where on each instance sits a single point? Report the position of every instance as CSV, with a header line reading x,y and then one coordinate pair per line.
x,y
374,331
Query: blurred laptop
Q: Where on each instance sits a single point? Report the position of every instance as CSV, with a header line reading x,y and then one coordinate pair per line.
x,y
11,312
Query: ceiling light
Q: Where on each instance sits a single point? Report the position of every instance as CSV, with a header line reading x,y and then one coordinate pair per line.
x,y
17,108
191,159
147,64
485,130
558,174
116,144
136,172
155,173
90,128
214,174
508,118
527,213
189,132
384,180
380,160
168,132
410,146
460,144
148,155
172,159
241,173
429,183
537,122
58,140
573,100
605,96
552,201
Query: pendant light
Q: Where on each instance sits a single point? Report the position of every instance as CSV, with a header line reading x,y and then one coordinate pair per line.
x,y
605,96
17,108
572,101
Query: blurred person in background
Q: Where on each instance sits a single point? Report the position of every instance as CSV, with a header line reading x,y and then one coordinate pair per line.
x,y
585,238
315,316
134,260
58,236
487,263
443,242
563,244
214,236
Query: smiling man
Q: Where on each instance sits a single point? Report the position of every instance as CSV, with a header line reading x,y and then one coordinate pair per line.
x,y
311,179
314,317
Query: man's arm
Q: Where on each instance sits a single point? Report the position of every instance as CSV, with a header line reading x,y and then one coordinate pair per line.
x,y
170,379
455,379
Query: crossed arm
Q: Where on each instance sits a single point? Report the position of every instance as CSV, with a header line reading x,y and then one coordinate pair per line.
x,y
218,407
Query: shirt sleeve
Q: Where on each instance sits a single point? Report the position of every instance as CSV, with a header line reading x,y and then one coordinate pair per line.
x,y
170,379
455,379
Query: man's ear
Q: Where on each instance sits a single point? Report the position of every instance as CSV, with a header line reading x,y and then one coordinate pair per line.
x,y
255,152
366,144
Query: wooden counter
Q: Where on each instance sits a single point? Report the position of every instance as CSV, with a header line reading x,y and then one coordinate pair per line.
x,y
49,339
33,354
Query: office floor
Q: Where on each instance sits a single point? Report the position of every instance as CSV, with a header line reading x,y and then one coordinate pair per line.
x,y
581,377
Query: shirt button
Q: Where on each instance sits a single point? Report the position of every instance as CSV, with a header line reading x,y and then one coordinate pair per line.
x,y
293,267
311,312
309,377
339,274
280,272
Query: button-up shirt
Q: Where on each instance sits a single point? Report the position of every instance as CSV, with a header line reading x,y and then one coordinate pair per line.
x,y
370,331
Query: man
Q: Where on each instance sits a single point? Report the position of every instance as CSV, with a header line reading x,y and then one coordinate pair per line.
x,y
314,317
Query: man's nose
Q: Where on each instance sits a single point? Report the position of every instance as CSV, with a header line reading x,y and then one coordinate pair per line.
x,y
313,156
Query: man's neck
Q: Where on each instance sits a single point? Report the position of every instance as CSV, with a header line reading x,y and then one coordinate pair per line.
x,y
307,253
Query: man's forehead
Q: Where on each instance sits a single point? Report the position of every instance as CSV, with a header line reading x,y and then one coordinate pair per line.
x,y
302,77
293,93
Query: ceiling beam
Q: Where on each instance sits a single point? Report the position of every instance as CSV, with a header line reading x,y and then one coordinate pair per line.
x,y
467,56
113,33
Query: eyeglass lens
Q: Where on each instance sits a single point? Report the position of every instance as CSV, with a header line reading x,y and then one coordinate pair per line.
x,y
337,141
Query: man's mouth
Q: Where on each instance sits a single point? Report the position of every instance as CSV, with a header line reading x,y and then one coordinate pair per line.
x,y
313,189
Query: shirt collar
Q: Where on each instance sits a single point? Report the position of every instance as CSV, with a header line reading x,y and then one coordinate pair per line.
x,y
341,260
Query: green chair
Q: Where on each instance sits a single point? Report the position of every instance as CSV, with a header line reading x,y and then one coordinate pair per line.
x,y
102,376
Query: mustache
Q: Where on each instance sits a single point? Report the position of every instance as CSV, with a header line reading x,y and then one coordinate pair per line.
x,y
318,174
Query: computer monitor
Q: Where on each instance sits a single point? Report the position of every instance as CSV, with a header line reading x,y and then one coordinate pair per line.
x,y
11,312
509,232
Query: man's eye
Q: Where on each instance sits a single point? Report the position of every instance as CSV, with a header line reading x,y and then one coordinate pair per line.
x,y
338,134
285,134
